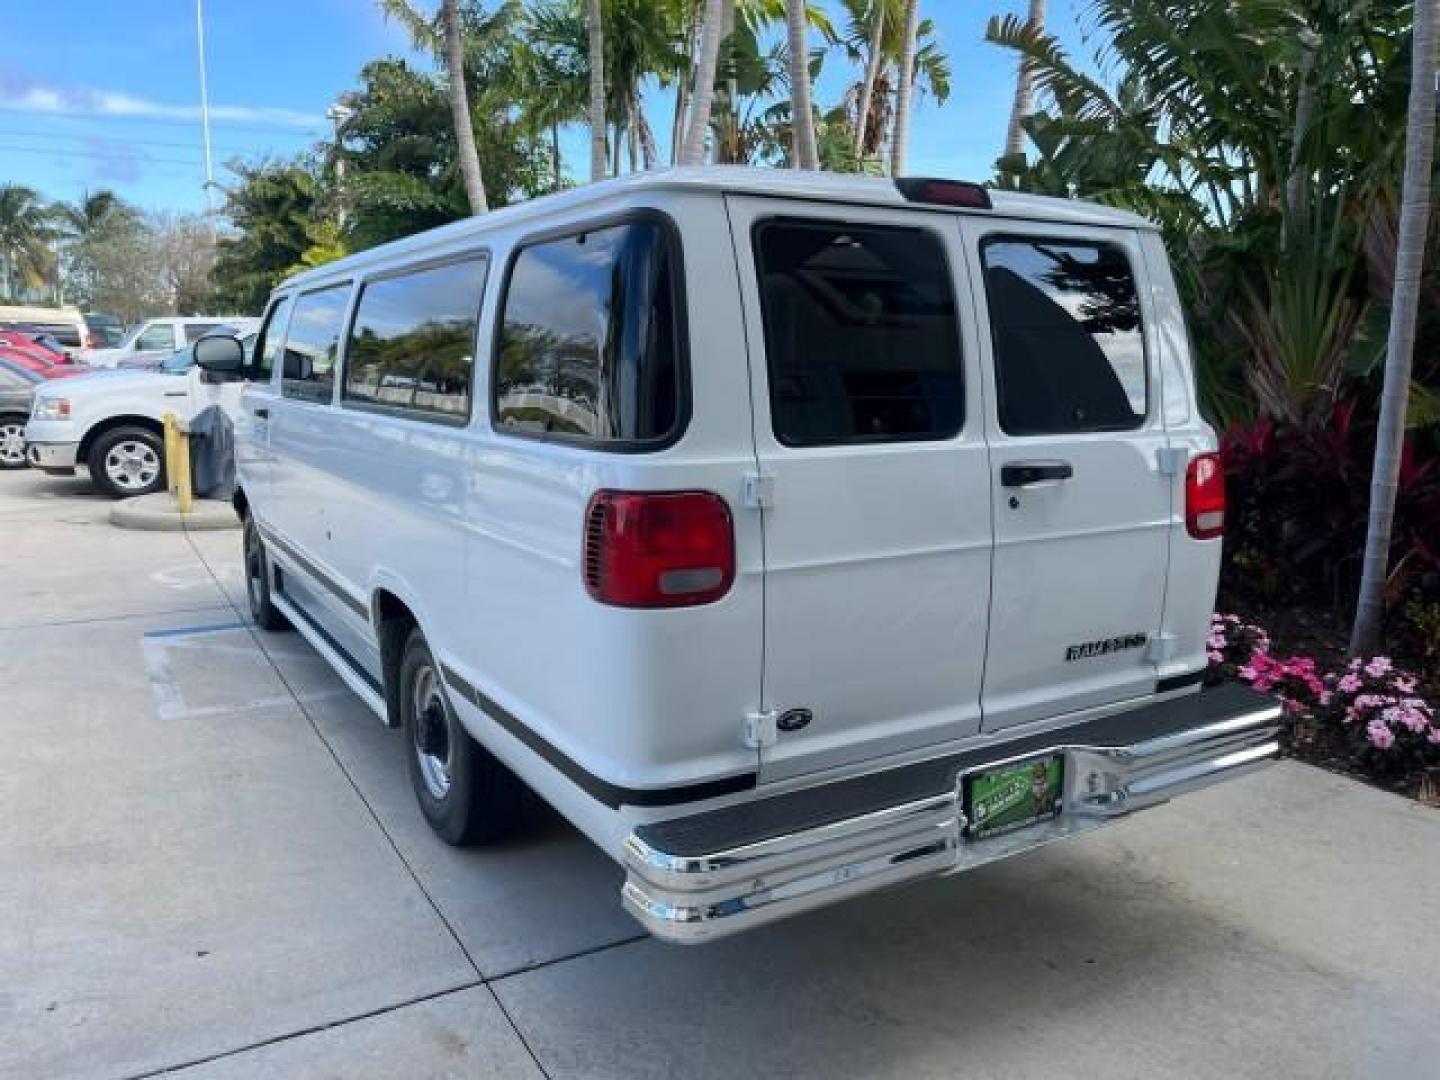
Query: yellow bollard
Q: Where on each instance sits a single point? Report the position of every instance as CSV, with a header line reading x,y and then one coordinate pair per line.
x,y
177,463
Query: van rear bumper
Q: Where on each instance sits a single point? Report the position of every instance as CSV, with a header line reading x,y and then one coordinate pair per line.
x,y
715,873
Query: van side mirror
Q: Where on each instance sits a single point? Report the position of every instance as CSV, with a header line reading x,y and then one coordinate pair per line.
x,y
220,354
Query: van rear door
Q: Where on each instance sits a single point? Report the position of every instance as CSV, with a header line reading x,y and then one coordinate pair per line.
x,y
1080,488
873,476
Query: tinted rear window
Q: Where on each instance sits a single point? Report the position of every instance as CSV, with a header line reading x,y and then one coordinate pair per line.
x,y
590,346
861,334
413,342
1069,351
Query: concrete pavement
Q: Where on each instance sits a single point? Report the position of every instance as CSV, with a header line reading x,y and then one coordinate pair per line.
x,y
211,862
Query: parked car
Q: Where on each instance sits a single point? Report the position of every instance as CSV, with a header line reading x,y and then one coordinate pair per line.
x,y
105,331
184,358
33,360
793,535
65,324
17,392
112,423
34,346
157,338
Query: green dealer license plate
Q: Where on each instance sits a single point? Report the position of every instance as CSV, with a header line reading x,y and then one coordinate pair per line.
x,y
1013,796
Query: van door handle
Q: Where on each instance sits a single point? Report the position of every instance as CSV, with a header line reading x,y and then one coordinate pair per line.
x,y
262,414
1023,474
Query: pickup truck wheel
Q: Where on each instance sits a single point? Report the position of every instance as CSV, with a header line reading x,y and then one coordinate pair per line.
x,y
12,442
257,582
127,461
465,793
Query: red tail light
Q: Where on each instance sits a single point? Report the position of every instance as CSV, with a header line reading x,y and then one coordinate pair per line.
x,y
1205,497
658,549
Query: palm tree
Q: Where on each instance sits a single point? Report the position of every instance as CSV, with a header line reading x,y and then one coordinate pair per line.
x,y
26,231
90,215
805,153
873,33
872,72
442,36
904,93
460,108
1024,87
1409,262
595,30
692,151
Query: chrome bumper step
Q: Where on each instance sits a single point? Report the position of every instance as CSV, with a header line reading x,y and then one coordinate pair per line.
x,y
715,873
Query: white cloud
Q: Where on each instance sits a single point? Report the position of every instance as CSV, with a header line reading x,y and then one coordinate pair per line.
x,y
22,93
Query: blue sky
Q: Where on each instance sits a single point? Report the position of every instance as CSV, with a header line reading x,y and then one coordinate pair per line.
x,y
106,94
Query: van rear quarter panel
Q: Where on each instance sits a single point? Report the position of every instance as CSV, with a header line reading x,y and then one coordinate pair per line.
x,y
638,698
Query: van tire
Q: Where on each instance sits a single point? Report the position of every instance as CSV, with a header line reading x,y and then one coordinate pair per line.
x,y
465,793
257,581
138,467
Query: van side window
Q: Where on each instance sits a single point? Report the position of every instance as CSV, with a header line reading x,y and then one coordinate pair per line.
x,y
589,346
267,345
312,343
862,340
1069,351
412,344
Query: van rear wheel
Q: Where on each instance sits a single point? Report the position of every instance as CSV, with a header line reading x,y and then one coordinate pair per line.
x,y
465,793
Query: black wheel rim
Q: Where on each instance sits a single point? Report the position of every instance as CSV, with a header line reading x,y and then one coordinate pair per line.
x,y
433,740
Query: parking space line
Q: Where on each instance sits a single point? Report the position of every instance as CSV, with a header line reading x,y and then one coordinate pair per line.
x,y
96,619
188,631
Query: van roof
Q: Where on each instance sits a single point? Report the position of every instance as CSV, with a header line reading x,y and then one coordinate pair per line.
x,y
723,179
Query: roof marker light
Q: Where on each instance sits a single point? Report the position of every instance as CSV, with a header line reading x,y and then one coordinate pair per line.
x,y
944,192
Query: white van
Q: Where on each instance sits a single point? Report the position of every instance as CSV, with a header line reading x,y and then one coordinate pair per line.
x,y
793,535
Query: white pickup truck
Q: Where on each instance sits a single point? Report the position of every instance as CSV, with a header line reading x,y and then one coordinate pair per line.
x,y
793,535
112,422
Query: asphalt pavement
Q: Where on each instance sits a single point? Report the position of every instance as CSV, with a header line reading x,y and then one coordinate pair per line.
x,y
211,865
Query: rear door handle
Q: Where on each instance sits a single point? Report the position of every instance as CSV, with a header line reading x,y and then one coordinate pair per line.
x,y
262,414
1022,474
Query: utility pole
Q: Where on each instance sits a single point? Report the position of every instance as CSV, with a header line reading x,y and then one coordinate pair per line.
x,y
205,116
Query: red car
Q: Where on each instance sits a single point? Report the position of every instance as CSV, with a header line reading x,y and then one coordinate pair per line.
x,y
16,339
31,361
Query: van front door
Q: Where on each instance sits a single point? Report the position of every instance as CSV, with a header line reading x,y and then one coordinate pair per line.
x,y
872,478
1080,493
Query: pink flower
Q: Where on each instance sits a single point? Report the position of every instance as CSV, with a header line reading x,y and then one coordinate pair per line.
x,y
1380,736
1434,736
1349,683
1404,683
1378,667
1408,717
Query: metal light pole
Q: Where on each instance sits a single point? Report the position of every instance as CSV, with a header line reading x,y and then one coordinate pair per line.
x,y
205,115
